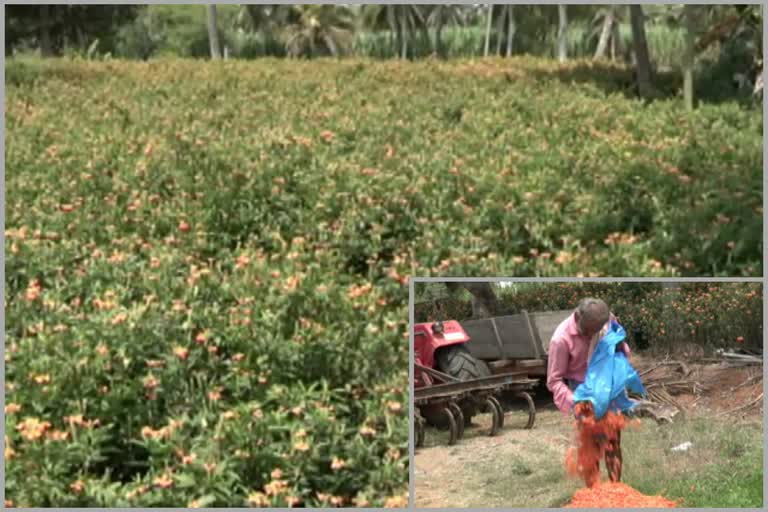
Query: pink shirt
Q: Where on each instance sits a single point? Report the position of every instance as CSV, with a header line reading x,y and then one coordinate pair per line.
x,y
568,356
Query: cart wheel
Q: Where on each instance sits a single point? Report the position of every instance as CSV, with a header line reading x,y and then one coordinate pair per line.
x,y
496,402
459,419
452,427
531,408
495,417
419,427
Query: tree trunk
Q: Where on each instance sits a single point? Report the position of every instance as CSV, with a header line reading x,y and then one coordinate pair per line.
x,y
500,29
404,40
605,34
643,63
688,57
488,30
615,42
511,28
439,39
484,301
213,33
46,48
331,45
562,33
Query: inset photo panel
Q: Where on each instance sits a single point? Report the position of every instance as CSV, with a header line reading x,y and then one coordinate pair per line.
x,y
587,393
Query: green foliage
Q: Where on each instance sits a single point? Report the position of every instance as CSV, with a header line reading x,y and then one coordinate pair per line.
x,y
278,208
711,315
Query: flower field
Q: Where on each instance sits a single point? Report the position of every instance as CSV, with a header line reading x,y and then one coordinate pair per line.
x,y
206,263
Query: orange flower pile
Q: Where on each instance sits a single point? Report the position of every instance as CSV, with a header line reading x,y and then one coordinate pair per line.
x,y
616,495
584,460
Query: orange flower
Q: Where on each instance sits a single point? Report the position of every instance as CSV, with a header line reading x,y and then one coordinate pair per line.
x,y
238,357
242,261
202,337
139,490
258,499
396,502
301,446
9,451
276,474
102,349
163,481
394,406
358,291
33,429
12,408
367,431
77,486
194,504
58,435
292,283
214,395
180,352
337,464
34,289
150,382
337,501
275,487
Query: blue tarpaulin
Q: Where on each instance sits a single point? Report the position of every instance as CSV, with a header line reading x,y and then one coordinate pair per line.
x,y
609,375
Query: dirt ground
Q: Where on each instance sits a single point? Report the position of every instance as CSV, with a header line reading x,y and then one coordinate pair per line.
x,y
525,468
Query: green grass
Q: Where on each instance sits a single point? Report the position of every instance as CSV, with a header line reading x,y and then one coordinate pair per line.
x,y
525,469
724,468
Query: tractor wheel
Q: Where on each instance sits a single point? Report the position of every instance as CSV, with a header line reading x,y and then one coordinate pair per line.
x,y
457,361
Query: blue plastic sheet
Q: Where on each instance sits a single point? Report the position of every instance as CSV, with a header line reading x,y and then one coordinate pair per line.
x,y
609,375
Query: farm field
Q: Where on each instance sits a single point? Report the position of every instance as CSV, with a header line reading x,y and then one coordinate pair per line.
x,y
206,263
526,468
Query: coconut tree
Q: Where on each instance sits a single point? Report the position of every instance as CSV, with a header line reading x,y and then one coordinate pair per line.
x,y
488,25
322,28
562,33
403,20
439,17
213,32
642,59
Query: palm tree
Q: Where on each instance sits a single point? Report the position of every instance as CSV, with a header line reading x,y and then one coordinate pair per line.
x,y
562,33
213,32
642,60
440,16
689,57
608,14
319,27
488,29
402,19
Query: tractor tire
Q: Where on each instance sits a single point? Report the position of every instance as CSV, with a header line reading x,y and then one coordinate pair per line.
x,y
457,361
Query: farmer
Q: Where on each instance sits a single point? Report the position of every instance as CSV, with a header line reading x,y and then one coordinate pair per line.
x,y
569,352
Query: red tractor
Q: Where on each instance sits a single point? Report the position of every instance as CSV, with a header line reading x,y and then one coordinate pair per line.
x,y
441,346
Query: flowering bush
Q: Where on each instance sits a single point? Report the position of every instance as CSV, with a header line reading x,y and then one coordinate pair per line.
x,y
205,276
712,315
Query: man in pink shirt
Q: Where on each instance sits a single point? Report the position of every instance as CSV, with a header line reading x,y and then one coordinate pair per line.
x,y
568,356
